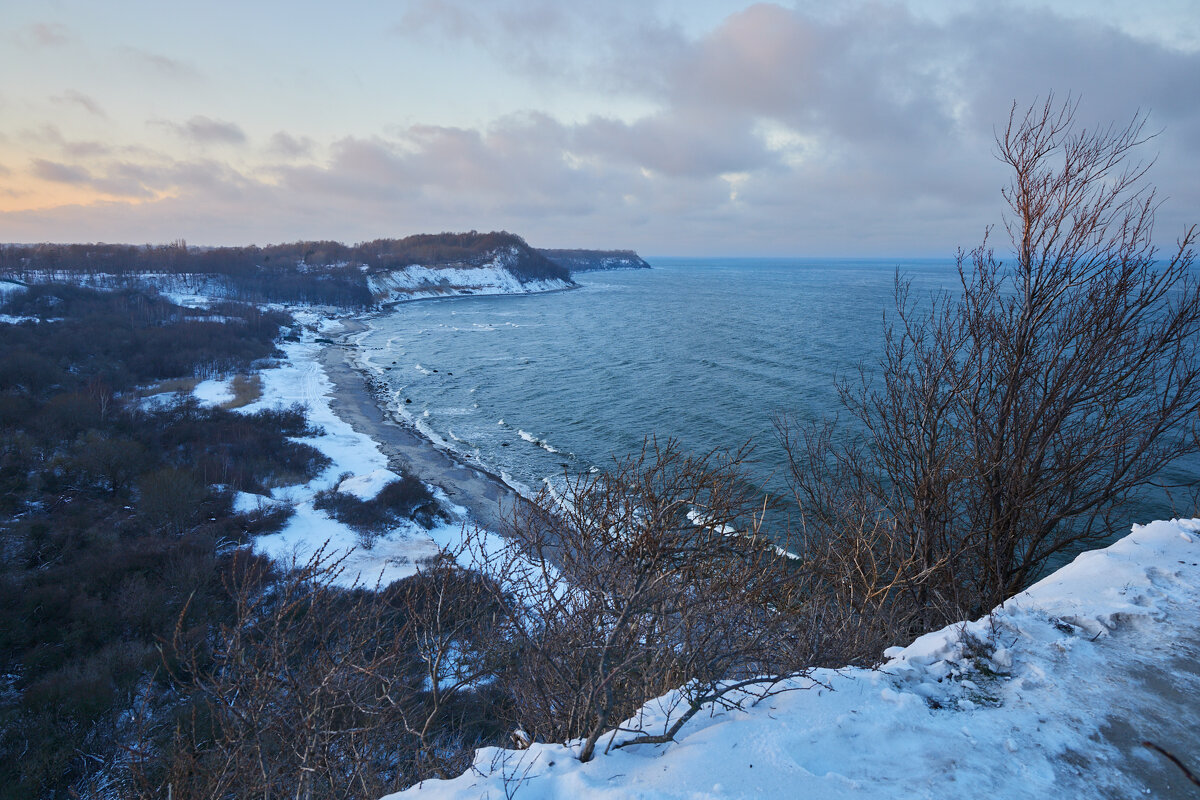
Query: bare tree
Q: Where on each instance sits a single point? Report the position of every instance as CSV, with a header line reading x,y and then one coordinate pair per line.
x,y
1008,421
644,579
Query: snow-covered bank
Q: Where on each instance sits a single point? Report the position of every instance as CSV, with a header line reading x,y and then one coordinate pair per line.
x,y
1053,692
358,467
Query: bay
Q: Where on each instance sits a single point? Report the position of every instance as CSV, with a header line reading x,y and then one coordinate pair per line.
x,y
703,351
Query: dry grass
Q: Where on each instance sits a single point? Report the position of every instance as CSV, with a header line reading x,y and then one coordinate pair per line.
x,y
246,390
172,385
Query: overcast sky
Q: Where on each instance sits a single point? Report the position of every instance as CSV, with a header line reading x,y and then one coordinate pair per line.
x,y
689,127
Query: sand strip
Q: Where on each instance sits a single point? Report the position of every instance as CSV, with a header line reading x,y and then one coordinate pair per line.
x,y
488,500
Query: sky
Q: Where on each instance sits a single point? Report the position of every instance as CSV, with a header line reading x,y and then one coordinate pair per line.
x,y
674,127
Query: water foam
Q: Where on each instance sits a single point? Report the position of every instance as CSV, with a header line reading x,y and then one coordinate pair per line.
x,y
542,443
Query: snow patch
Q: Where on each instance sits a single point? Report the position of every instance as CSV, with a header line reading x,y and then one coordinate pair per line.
x,y
8,288
214,391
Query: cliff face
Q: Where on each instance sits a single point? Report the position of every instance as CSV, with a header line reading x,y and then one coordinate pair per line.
x,y
503,271
588,260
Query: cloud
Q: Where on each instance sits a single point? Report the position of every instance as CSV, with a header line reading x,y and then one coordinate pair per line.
x,y
613,45
204,130
142,180
60,173
284,144
86,149
48,34
74,98
164,66
51,135
859,130
679,144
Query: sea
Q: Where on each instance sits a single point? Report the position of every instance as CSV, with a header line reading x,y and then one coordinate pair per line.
x,y
709,352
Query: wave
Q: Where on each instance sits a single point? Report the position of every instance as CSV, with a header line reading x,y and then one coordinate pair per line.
x,y
517,486
542,443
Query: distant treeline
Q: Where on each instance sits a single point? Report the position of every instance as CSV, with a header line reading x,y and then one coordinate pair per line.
x,y
320,272
587,260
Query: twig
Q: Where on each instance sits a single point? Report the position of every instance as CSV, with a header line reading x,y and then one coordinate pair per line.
x,y
1187,772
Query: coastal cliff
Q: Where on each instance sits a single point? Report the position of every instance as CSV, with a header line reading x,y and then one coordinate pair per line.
x,y
594,260
509,269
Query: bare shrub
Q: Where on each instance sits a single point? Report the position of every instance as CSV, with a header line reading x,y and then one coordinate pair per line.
x,y
170,496
310,690
1011,420
648,578
402,499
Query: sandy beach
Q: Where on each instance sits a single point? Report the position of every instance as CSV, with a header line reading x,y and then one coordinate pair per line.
x,y
488,500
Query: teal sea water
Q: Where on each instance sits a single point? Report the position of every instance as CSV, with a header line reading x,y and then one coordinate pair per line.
x,y
705,351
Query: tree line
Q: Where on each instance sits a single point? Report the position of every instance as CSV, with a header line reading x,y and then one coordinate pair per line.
x,y
319,272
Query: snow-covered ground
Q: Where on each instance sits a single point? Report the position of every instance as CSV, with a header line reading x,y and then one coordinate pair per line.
x,y
189,290
214,391
1049,696
8,287
358,466
413,282
9,319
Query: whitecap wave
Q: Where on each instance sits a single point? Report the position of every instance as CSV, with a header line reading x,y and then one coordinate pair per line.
x,y
517,486
542,443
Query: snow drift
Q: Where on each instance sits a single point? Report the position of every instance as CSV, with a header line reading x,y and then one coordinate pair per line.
x,y
1053,691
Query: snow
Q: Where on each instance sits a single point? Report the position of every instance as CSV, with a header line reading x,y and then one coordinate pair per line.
x,y
358,467
190,290
189,300
214,391
1030,700
417,282
364,487
10,319
9,288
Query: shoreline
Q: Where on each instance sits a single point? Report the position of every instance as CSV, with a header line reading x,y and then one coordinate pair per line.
x,y
391,305
489,501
